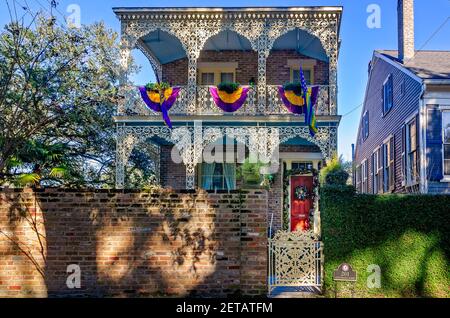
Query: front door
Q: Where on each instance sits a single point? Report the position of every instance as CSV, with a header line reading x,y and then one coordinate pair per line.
x,y
301,202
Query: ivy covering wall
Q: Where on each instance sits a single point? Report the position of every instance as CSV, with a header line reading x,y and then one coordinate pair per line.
x,y
407,236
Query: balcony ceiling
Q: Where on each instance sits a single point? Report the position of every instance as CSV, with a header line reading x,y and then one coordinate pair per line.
x,y
167,48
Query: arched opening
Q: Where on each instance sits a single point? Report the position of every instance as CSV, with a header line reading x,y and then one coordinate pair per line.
x,y
227,57
168,52
292,50
143,166
145,73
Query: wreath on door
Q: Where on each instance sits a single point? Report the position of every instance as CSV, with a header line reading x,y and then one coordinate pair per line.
x,y
301,193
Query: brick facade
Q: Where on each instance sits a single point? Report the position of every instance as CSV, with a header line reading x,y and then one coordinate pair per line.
x,y
278,71
174,176
131,243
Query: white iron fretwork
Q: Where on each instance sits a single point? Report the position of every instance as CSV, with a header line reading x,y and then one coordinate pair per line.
x,y
262,29
193,29
295,259
191,141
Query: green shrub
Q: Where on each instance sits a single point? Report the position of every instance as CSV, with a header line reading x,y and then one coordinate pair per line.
x,y
408,236
338,177
333,173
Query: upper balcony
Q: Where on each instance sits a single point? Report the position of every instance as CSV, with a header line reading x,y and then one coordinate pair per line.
x,y
261,47
134,106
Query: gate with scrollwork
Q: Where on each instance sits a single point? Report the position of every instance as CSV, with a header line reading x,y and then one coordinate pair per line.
x,y
295,260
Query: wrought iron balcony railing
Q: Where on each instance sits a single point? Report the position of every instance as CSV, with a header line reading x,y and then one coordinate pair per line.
x,y
132,103
275,105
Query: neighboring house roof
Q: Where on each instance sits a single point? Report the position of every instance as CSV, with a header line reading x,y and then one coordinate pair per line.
x,y
425,64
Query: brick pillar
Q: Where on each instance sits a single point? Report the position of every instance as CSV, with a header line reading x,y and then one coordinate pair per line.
x,y
253,215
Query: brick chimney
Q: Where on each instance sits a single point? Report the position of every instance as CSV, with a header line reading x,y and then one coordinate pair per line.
x,y
405,11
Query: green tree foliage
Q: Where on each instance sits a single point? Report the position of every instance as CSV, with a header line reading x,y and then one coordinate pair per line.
x,y
58,93
334,173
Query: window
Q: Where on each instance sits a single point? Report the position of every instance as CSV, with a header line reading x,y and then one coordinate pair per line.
x,y
213,73
364,173
365,125
218,176
295,75
388,165
446,142
388,95
412,163
402,88
207,79
301,165
226,77
377,172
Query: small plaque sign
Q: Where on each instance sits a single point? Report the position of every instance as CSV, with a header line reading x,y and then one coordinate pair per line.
x,y
344,273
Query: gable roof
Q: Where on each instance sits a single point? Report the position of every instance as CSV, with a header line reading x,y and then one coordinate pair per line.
x,y
433,65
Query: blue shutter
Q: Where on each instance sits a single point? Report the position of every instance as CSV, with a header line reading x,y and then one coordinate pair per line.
x,y
434,145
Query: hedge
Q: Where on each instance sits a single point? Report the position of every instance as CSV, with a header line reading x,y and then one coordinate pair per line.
x,y
408,236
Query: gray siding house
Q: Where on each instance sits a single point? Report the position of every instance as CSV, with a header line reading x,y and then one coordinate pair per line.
x,y
403,141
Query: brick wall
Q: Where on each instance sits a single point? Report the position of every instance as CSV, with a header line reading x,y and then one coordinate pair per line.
x,y
173,175
279,73
277,70
247,63
131,243
176,72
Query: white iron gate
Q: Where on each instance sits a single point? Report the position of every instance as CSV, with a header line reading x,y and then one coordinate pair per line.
x,y
295,260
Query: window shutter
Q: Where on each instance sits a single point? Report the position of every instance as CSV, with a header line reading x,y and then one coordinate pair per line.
x,y
392,164
374,167
367,177
381,174
367,124
417,147
404,155
391,92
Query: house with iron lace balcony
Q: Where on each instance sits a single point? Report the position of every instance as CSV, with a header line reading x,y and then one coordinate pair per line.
x,y
200,51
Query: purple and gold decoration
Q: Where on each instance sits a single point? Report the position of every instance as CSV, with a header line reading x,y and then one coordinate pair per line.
x,y
229,96
301,99
160,97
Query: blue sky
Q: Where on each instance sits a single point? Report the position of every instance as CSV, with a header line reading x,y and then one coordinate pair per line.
x,y
358,41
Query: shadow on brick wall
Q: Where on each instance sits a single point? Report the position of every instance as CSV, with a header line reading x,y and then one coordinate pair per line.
x,y
135,244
